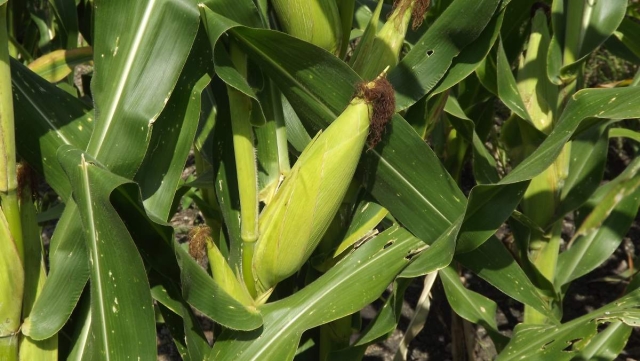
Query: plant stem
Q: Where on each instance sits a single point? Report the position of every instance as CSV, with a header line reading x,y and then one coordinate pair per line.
x,y
10,293
544,250
246,170
8,177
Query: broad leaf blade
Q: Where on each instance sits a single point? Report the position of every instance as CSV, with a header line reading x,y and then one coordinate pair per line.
x,y
173,133
42,125
427,62
565,341
346,288
128,92
120,295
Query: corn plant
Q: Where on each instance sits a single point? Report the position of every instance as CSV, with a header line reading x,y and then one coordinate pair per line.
x,y
331,142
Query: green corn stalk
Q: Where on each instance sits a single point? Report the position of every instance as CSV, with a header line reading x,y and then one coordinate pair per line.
x,y
375,53
541,198
292,225
314,21
11,244
247,174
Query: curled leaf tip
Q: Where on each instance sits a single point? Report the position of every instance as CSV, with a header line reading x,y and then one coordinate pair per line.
x,y
380,94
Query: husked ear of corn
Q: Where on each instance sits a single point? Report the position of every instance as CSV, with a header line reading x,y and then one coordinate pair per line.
x,y
292,225
314,21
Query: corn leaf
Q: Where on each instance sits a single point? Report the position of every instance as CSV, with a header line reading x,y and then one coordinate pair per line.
x,y
346,288
125,88
58,64
42,125
564,342
67,13
472,55
173,133
471,306
69,272
586,168
624,33
182,323
605,220
579,29
120,293
34,279
420,70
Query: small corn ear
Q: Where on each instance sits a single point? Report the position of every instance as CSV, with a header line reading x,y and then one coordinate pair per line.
x,y
223,274
375,53
292,225
314,21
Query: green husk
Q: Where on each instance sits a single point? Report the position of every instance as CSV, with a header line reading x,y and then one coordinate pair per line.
x,y
293,223
314,21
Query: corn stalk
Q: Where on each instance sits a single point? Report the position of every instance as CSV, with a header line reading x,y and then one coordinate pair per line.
x,y
11,244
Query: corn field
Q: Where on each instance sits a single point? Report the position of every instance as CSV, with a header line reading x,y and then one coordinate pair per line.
x,y
333,153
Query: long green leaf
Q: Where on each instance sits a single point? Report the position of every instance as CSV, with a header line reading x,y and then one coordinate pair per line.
x,y
125,88
564,342
173,133
120,293
579,29
471,57
42,125
69,272
427,62
346,288
34,279
612,211
471,306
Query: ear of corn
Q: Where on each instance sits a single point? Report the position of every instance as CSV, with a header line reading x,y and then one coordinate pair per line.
x,y
201,242
314,21
292,225
295,220
376,53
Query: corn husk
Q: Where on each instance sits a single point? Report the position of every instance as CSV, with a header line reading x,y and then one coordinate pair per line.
x,y
294,222
314,21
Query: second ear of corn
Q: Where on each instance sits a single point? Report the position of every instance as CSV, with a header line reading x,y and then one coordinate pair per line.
x,y
292,225
314,21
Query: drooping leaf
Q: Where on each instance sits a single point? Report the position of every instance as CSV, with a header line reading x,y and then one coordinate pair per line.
x,y
58,64
564,342
42,125
471,306
120,293
604,222
173,133
427,62
358,280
